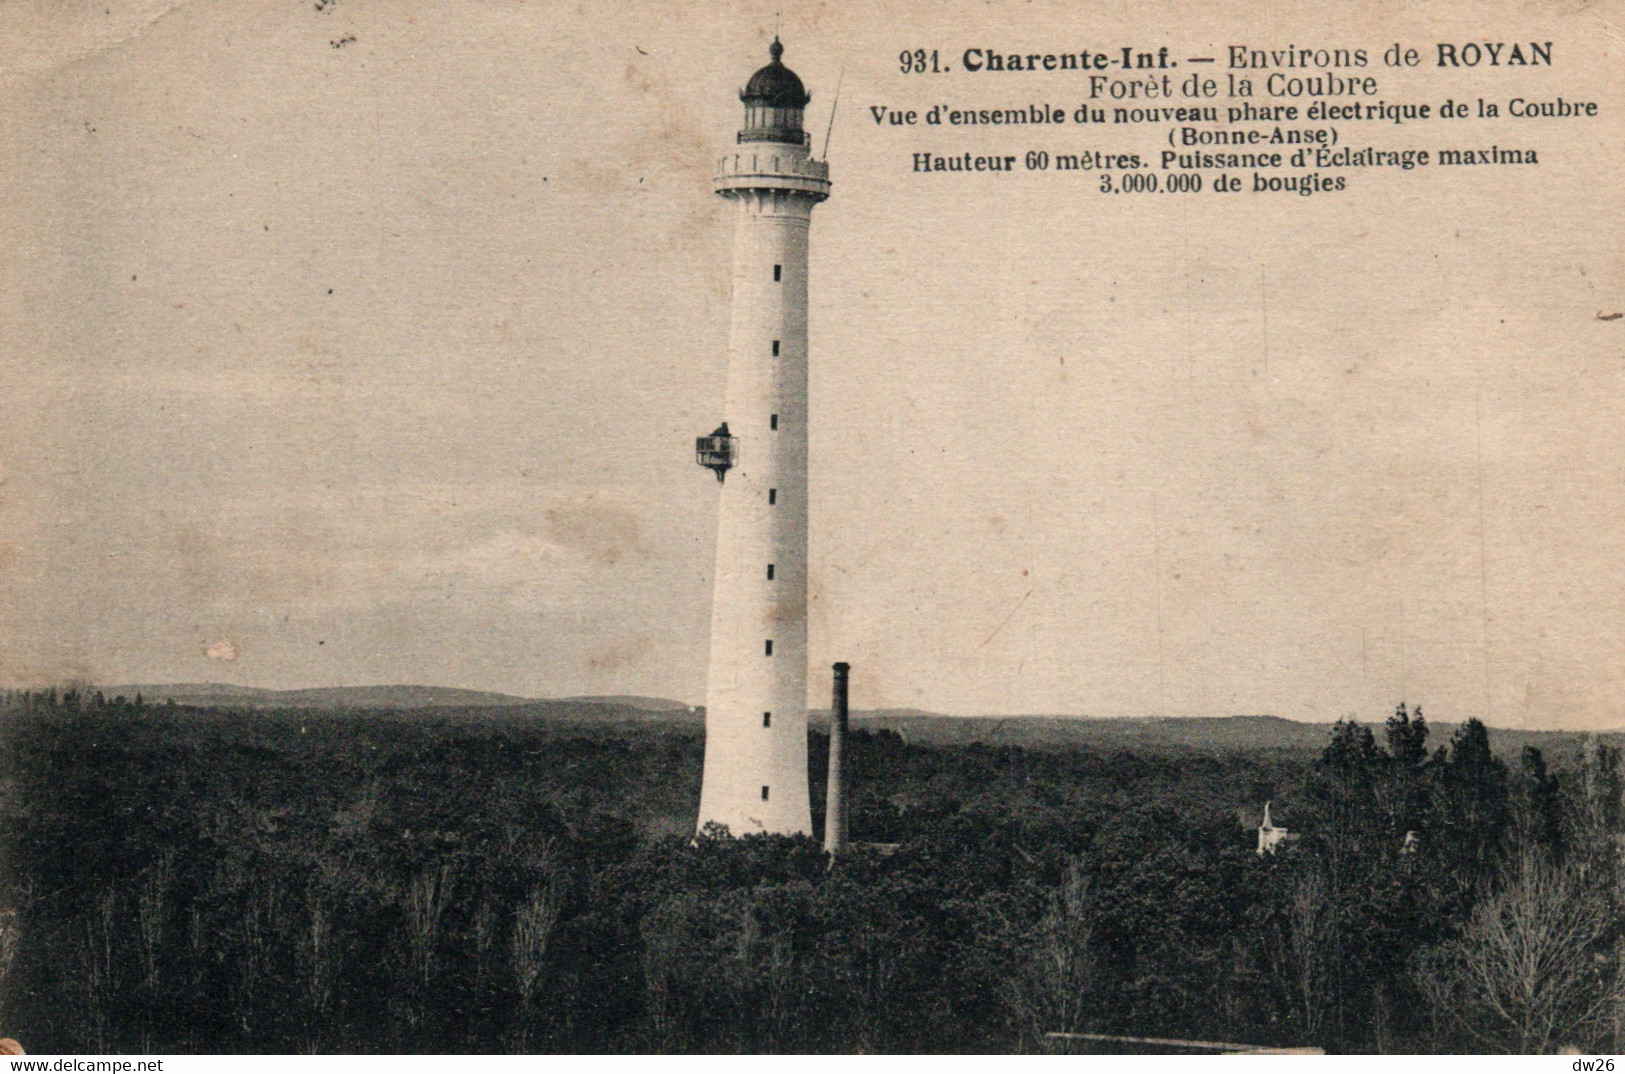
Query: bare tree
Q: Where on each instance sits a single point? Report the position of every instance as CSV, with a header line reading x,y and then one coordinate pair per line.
x,y
10,937
427,896
483,929
532,932
152,913
254,954
424,903
774,961
1530,971
758,973
197,951
1601,849
1310,918
99,968
868,968
663,931
1049,992
317,963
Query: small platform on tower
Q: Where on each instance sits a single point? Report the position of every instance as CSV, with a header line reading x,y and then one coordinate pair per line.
x,y
717,451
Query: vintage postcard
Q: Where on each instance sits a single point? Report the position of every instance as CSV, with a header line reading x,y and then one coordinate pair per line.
x,y
659,527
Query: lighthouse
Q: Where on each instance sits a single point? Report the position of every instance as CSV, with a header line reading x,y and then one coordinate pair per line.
x,y
756,691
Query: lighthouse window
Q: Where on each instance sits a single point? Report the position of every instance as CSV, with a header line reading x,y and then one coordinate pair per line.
x,y
769,646
772,495
767,719
773,422
770,572
778,273
775,348
764,792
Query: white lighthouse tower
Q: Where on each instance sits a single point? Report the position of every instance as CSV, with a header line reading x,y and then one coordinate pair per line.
x,y
756,695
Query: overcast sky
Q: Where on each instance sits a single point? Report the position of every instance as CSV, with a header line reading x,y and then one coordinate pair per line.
x,y
365,342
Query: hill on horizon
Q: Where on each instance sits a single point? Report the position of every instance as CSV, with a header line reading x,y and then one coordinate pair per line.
x,y
227,695
1181,733
1141,733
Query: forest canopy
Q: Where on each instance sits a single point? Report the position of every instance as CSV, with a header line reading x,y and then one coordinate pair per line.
x,y
189,880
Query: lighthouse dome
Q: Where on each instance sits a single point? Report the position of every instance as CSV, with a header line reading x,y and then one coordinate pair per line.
x,y
775,86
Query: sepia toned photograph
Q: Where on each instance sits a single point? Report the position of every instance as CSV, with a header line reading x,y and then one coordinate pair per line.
x,y
648,528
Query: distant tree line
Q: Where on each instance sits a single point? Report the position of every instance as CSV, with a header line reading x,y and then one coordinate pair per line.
x,y
196,881
1445,898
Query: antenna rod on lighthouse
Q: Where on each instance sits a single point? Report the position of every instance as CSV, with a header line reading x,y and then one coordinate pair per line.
x,y
833,105
835,827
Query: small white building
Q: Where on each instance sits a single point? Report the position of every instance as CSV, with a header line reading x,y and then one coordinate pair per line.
x,y
1269,836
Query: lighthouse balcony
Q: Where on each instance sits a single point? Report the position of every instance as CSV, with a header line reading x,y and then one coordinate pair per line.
x,y
789,169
